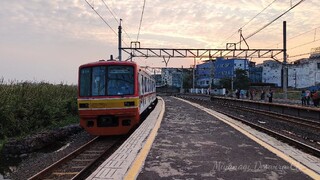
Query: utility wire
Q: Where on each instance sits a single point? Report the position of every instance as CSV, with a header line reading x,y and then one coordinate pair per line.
x,y
259,13
303,33
297,36
294,56
263,27
144,3
114,17
298,55
248,21
105,4
101,18
104,21
305,44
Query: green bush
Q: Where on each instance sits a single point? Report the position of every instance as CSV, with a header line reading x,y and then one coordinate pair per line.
x,y
26,107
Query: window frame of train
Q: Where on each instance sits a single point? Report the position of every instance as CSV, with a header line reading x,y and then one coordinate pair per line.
x,y
87,80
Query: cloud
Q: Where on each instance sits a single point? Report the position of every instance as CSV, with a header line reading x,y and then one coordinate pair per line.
x,y
70,31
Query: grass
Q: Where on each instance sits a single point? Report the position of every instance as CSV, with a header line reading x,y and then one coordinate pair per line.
x,y
28,107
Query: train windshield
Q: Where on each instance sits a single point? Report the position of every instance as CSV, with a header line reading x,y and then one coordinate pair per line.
x,y
120,80
106,81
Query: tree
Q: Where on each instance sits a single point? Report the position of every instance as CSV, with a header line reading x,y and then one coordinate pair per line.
x,y
225,83
187,78
241,80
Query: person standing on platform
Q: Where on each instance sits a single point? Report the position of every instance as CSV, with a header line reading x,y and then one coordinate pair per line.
x,y
263,95
270,95
308,97
238,93
303,98
315,98
251,94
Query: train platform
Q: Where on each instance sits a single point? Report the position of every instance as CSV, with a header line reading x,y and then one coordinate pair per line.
x,y
193,142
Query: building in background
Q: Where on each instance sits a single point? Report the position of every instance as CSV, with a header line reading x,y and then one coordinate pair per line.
x,y
205,73
225,68
158,79
304,73
210,72
255,73
172,77
271,72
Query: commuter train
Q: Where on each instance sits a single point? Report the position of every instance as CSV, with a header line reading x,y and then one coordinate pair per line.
x,y
112,95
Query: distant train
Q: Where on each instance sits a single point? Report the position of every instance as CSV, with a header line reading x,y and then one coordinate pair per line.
x,y
112,95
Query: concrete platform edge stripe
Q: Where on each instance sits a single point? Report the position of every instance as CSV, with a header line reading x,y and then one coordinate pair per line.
x,y
139,161
285,157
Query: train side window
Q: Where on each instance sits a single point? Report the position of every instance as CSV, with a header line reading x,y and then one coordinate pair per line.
x,y
145,84
139,84
142,84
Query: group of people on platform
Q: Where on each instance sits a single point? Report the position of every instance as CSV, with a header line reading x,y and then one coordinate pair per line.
x,y
252,93
307,95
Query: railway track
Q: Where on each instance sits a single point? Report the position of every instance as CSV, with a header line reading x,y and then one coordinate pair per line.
x,y
313,124
77,164
283,117
310,124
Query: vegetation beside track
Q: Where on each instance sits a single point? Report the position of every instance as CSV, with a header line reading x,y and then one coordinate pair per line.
x,y
28,107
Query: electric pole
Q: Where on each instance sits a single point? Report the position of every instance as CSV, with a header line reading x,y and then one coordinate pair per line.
x,y
120,40
284,64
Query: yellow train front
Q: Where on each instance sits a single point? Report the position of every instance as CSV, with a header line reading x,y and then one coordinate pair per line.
x,y
112,95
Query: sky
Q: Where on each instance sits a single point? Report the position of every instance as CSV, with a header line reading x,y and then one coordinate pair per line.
x,y
43,40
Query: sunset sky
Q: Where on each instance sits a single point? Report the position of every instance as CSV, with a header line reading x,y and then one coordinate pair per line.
x,y
42,40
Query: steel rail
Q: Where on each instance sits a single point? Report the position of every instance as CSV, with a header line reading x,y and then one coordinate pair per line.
x,y
94,155
283,117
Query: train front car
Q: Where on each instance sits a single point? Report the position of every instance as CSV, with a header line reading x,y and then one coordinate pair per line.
x,y
108,97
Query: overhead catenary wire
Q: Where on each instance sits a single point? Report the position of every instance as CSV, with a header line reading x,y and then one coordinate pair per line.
x,y
114,17
298,35
144,4
258,14
104,21
111,12
303,33
101,17
295,56
249,21
304,44
266,25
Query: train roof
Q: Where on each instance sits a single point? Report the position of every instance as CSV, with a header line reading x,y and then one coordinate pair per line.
x,y
109,62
